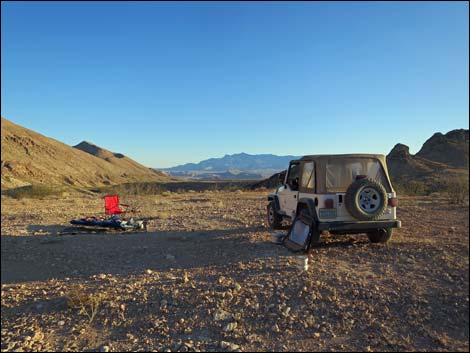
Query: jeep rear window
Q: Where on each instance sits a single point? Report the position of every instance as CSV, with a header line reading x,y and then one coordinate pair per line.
x,y
340,173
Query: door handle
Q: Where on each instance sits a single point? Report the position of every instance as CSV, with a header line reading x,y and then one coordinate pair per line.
x,y
295,196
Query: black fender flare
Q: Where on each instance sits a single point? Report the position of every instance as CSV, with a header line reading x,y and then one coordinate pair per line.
x,y
275,198
308,204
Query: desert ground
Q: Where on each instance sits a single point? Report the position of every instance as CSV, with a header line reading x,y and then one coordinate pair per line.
x,y
205,277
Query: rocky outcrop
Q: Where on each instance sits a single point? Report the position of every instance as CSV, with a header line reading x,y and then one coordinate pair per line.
x,y
451,148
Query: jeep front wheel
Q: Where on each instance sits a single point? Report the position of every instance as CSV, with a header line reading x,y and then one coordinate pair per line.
x,y
380,236
274,220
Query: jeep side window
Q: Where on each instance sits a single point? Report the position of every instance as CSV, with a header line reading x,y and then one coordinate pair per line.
x,y
293,177
308,176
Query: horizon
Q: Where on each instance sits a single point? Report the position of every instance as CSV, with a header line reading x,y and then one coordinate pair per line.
x,y
184,82
242,152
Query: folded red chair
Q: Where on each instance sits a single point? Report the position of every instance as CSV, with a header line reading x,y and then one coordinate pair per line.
x,y
111,205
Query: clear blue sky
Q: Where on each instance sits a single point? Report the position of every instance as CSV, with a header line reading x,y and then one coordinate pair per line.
x,y
168,83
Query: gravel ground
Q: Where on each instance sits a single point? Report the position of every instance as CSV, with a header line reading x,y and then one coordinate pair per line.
x,y
205,277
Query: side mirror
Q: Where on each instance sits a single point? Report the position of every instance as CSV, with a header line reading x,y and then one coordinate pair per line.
x,y
281,177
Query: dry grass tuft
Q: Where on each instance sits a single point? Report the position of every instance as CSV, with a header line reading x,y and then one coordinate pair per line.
x,y
87,303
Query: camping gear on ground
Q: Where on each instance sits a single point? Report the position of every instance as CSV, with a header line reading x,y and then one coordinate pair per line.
x,y
298,238
302,262
114,222
111,205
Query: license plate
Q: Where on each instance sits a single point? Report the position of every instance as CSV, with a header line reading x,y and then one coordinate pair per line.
x,y
327,212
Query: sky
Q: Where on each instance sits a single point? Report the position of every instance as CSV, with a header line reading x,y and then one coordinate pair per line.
x,y
170,83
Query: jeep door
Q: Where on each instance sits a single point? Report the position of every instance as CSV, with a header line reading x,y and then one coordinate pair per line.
x,y
288,193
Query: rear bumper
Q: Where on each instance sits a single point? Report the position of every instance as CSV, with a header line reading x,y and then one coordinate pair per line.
x,y
358,226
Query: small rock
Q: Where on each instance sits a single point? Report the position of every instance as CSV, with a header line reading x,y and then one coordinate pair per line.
x,y
104,349
230,327
229,346
221,315
234,347
170,257
310,320
38,336
61,323
185,277
275,328
149,271
164,302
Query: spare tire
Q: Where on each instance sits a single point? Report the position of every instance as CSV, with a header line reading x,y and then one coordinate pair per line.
x,y
366,199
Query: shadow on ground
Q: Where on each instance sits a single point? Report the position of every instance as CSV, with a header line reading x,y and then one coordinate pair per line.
x,y
38,258
30,258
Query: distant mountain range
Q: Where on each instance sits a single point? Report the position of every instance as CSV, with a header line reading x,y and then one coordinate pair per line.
x,y
235,166
441,155
31,158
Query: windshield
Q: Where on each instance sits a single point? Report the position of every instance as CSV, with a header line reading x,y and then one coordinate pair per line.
x,y
340,173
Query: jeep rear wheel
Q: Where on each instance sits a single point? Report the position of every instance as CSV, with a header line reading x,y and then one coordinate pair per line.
x,y
274,219
366,199
380,236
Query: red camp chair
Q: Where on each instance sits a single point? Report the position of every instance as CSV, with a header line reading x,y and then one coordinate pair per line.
x,y
111,205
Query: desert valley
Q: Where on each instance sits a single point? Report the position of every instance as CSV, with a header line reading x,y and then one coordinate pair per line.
x,y
205,275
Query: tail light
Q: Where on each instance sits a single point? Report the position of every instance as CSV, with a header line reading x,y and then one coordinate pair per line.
x,y
393,202
329,203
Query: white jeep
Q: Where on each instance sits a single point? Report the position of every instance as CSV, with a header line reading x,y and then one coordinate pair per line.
x,y
341,194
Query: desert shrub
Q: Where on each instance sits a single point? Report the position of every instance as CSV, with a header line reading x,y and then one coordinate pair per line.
x,y
212,187
457,190
34,192
85,302
134,189
412,188
219,204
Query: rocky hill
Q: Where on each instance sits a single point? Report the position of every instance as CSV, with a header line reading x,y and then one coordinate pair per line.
x,y
451,148
32,158
441,159
117,159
